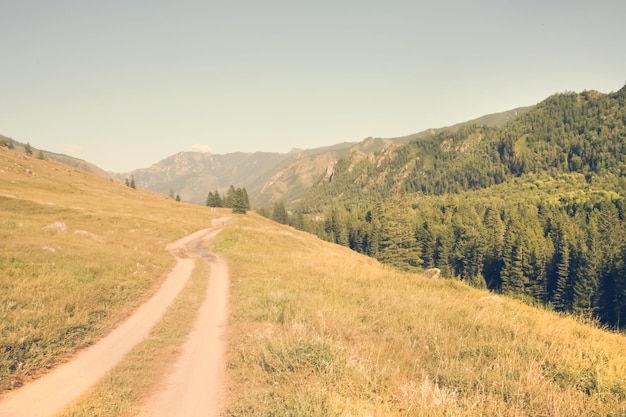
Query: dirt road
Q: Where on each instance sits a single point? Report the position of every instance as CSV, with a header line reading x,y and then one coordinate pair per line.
x,y
193,387
47,395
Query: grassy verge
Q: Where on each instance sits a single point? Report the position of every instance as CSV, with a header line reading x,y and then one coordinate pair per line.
x,y
140,373
319,330
78,254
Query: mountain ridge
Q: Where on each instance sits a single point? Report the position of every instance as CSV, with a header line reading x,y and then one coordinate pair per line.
x,y
271,177
473,155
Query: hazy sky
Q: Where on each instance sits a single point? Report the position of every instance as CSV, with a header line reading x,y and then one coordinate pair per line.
x,y
124,84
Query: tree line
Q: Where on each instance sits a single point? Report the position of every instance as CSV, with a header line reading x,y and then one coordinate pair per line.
x,y
533,209
567,252
235,198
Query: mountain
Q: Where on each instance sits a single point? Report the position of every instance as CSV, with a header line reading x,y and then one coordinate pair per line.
x,y
305,168
272,177
268,177
192,174
564,133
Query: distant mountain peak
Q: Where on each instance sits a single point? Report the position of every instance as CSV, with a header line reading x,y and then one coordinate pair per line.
x,y
199,148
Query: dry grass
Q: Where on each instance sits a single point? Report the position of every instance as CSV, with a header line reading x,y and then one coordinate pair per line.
x,y
122,392
319,330
315,329
63,289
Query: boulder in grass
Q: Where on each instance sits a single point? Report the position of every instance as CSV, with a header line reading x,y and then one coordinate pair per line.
x,y
88,235
56,227
432,273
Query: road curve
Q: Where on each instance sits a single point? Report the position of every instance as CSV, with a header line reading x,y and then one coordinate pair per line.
x,y
47,395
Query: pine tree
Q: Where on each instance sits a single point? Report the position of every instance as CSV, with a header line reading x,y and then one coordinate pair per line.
x,y
612,231
620,291
585,282
561,298
132,182
398,246
513,280
513,253
371,241
229,200
536,270
239,204
492,264
246,200
213,199
297,221
279,213
428,242
472,261
443,250
28,149
338,226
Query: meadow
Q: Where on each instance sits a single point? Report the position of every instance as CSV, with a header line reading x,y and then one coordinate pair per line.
x,y
123,391
319,330
78,253
315,329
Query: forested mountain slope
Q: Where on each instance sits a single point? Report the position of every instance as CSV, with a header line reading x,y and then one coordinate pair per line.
x,y
533,208
568,132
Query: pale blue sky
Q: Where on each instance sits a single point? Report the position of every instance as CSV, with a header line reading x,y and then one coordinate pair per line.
x,y
124,84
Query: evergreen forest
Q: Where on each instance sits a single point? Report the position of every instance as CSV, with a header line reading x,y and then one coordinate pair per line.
x,y
534,208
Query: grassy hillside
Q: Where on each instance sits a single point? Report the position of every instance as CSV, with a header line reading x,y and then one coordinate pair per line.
x,y
315,329
58,157
77,254
319,330
550,225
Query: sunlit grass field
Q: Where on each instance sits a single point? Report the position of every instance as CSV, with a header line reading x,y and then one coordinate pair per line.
x,y
123,391
64,286
317,330
314,330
